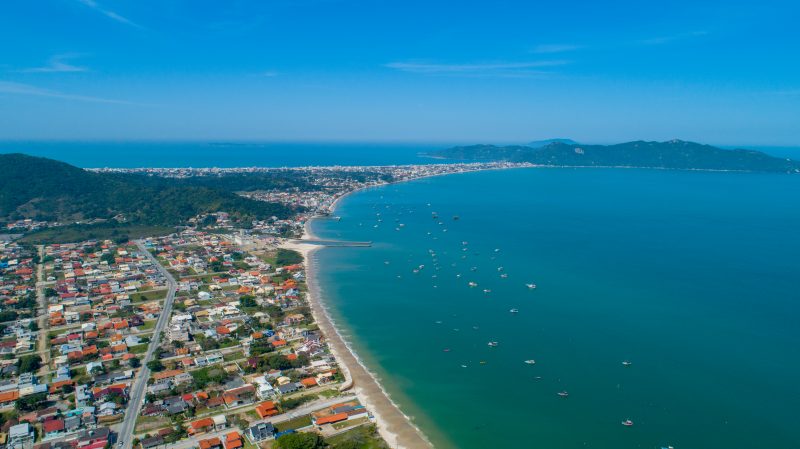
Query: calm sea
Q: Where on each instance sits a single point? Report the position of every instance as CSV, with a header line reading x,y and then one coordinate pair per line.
x,y
224,154
692,277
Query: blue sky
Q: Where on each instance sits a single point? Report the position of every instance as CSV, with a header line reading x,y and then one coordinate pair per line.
x,y
723,72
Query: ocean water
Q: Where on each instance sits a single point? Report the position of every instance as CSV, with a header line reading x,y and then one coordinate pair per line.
x,y
134,154
224,154
690,276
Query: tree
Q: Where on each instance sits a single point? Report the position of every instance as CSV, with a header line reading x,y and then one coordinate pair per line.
x,y
135,362
155,365
29,363
305,440
32,402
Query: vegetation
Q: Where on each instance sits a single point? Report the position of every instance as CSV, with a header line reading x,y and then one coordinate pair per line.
x,y
674,154
305,440
287,257
45,189
32,402
29,363
155,365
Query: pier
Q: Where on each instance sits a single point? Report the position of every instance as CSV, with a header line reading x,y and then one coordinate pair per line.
x,y
333,243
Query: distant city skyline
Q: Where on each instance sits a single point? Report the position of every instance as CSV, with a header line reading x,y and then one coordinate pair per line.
x,y
724,73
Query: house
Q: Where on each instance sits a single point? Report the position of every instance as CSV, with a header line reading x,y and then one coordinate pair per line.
x,y
260,432
329,419
266,409
20,436
239,396
152,442
233,440
210,443
288,388
201,426
220,422
53,428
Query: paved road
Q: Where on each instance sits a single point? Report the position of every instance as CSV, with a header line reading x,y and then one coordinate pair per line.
x,y
41,345
192,442
139,385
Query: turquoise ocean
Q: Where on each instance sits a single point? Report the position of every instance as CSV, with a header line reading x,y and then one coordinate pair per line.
x,y
692,277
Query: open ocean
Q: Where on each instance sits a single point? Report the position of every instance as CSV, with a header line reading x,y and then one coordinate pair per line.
x,y
690,276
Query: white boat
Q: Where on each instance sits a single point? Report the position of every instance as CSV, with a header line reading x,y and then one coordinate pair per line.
x,y
627,423
499,268
503,275
531,286
563,394
486,290
514,310
473,284
492,344
530,362
626,363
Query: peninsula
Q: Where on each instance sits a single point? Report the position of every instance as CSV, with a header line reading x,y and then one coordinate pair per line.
x,y
673,154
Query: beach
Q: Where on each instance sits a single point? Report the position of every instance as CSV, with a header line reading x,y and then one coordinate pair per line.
x,y
394,427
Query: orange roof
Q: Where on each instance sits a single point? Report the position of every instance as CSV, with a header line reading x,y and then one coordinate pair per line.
x,y
277,343
167,374
210,442
265,409
331,419
202,423
8,396
233,436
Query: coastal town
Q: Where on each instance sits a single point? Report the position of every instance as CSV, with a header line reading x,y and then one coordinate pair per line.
x,y
208,337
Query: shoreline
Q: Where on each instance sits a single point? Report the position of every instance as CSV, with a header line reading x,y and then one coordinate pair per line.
x,y
395,427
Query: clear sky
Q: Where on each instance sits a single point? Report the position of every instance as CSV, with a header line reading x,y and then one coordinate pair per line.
x,y
722,72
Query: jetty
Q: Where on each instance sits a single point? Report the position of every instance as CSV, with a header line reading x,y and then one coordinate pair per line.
x,y
332,243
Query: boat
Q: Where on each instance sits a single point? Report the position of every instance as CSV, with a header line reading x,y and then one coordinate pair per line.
x,y
492,344
503,275
473,284
514,310
563,394
497,250
626,363
531,286
499,268
530,362
463,366
486,290
627,423
483,362
446,350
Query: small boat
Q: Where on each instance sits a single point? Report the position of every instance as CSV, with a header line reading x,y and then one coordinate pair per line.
x,y
483,362
473,269
492,344
446,350
473,284
386,262
626,363
487,291
499,268
497,250
627,423
530,362
465,243
514,310
439,322
503,275
415,271
463,366
531,286
563,394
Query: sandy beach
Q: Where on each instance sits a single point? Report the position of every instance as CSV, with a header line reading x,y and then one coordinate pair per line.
x,y
395,427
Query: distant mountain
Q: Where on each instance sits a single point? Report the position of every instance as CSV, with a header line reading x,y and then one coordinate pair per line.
x,y
542,143
673,154
45,189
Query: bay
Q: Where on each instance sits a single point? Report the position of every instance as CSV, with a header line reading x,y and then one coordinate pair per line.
x,y
690,276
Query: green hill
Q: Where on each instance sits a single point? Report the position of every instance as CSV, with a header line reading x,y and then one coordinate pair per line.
x,y
673,154
45,189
